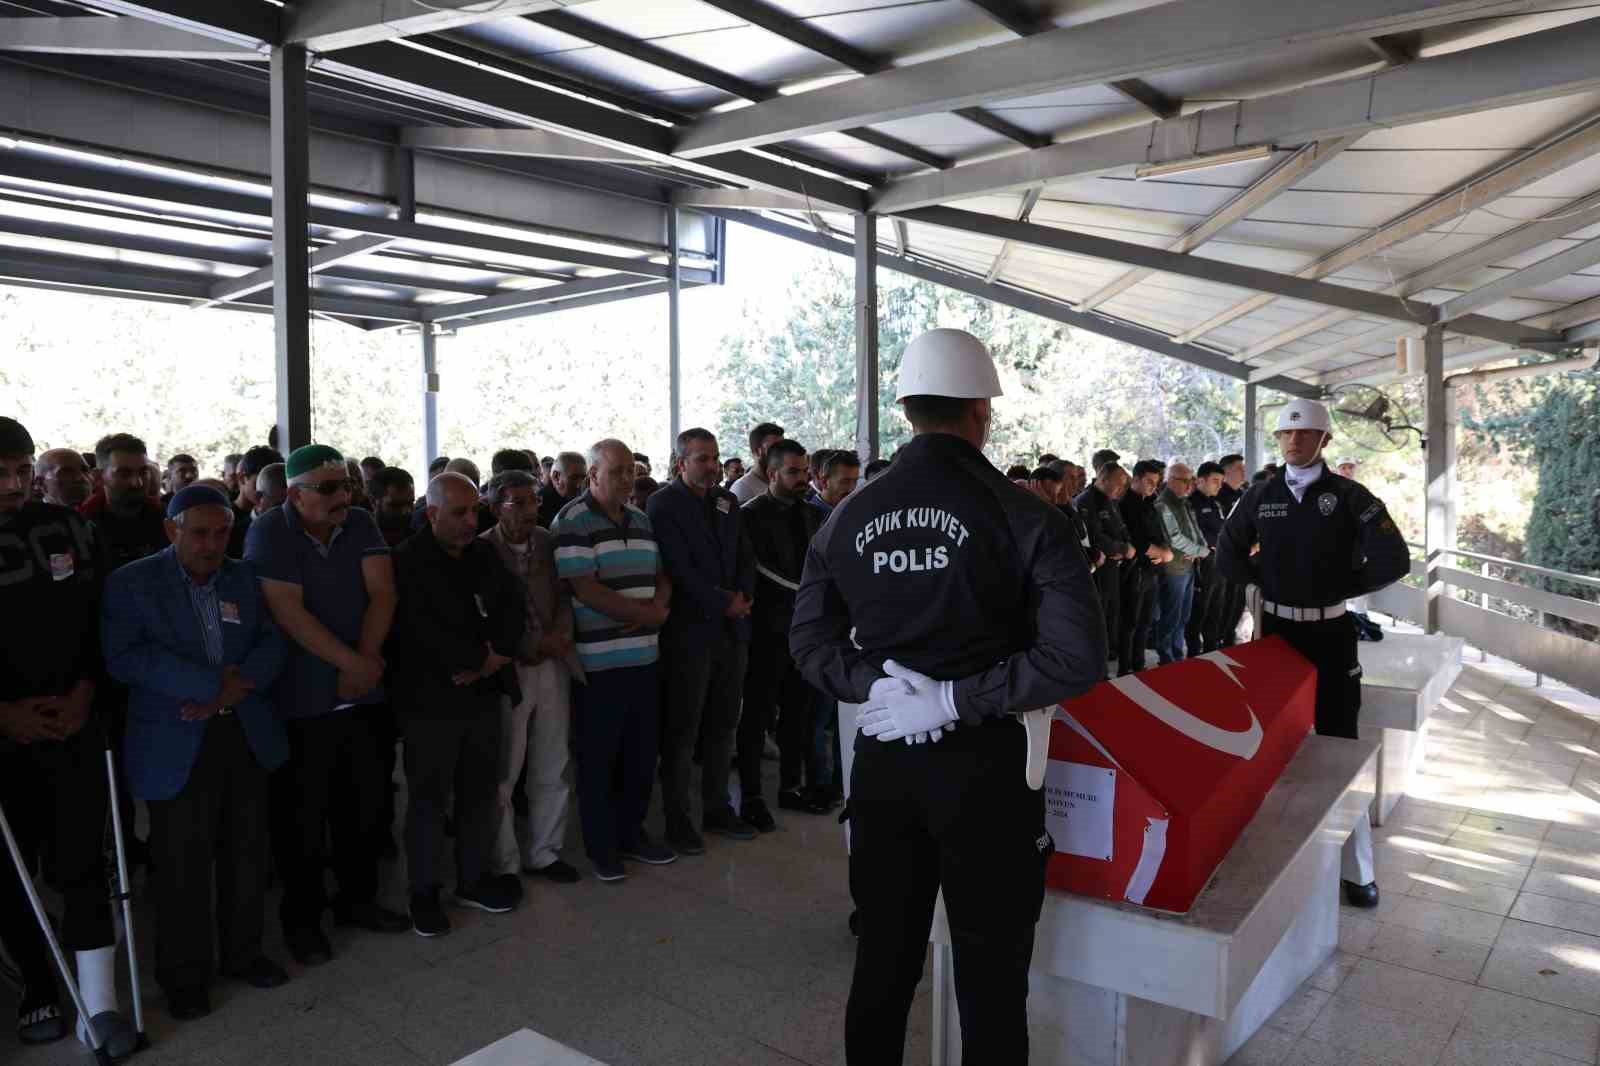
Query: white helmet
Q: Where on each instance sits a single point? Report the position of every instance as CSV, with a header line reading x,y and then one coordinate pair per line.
x,y
1303,414
948,362
1347,462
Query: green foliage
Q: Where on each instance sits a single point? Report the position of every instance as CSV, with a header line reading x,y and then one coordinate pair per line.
x,y
1564,436
1065,392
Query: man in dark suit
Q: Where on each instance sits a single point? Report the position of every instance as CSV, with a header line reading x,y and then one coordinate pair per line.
x,y
706,641
187,631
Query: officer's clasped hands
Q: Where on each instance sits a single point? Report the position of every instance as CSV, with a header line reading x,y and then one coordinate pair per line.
x,y
908,706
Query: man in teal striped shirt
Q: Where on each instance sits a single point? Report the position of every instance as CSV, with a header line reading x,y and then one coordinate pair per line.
x,y
606,553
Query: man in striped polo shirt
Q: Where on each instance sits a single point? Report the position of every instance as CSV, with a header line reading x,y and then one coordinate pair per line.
x,y
606,553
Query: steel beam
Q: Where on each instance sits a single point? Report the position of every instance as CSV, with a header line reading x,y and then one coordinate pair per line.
x,y
95,36
1559,153
1212,270
1578,257
1043,306
866,315
1580,214
1252,427
800,32
54,270
246,25
1131,45
326,25
652,288
430,395
540,144
747,199
1303,163
291,267
1537,66
1030,200
460,312
504,97
1439,528
674,337
1139,92
320,260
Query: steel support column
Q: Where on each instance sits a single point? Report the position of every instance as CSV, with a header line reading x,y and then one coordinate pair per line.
x,y
866,249
674,339
1439,529
1252,430
430,395
291,256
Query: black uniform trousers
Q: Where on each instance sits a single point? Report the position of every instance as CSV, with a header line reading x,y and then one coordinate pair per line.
x,y
1108,582
332,785
54,795
450,752
1200,635
1331,647
1233,597
701,684
773,680
218,824
1138,604
956,815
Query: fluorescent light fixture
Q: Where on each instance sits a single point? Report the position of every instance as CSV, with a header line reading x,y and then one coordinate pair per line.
x,y
1203,162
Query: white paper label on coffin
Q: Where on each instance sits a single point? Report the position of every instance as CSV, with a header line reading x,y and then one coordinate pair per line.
x,y
1243,743
1079,801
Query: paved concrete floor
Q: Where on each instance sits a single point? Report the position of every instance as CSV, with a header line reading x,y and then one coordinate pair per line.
x,y
1485,949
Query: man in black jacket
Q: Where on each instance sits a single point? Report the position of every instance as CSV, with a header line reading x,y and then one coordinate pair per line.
x,y
706,641
567,477
1098,506
1149,539
780,526
1206,617
1234,477
460,618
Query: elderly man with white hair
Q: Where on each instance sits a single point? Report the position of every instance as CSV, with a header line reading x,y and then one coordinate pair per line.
x,y
457,635
327,578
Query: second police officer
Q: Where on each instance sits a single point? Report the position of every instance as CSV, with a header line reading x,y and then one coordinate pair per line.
x,y
1323,539
947,601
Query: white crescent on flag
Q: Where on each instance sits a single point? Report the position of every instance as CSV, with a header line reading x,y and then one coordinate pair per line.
x,y
1243,743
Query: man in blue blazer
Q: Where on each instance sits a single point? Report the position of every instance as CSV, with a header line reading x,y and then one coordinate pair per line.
x,y
706,642
187,632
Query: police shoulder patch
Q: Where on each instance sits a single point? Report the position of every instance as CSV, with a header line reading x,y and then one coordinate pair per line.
x,y
1326,503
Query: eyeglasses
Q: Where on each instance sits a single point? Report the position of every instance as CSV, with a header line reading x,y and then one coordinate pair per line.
x,y
331,488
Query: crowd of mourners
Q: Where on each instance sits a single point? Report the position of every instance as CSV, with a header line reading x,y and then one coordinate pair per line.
x,y
269,653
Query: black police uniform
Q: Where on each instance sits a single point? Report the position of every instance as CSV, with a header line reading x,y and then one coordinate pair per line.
x,y
1335,542
1201,635
943,565
1108,534
1139,578
1232,607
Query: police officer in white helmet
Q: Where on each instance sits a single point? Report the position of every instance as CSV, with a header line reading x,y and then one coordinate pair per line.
x,y
949,603
1323,539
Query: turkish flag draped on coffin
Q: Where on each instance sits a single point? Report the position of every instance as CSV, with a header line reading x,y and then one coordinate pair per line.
x,y
1153,776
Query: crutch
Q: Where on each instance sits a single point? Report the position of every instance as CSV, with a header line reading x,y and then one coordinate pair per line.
x,y
100,1053
124,895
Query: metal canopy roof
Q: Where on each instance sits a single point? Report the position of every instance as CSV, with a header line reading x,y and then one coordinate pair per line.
x,y
1409,162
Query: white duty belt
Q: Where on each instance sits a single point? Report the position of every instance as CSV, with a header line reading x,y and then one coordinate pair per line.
x,y
1302,614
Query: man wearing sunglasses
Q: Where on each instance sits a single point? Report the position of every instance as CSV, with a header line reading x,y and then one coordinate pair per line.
x,y
329,583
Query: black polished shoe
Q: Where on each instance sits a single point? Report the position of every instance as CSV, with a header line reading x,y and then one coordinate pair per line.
x,y
260,972
794,799
187,1004
308,947
756,813
1363,896
562,873
372,918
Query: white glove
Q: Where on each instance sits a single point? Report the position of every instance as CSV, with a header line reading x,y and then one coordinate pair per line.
x,y
921,706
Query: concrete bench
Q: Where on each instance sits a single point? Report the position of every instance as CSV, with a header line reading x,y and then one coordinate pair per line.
x,y
1403,678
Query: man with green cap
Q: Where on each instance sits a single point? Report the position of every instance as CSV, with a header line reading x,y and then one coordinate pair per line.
x,y
329,583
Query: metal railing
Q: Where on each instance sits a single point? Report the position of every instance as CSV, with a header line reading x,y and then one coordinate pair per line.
x,y
1505,618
